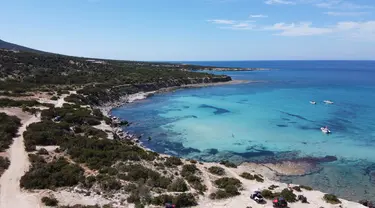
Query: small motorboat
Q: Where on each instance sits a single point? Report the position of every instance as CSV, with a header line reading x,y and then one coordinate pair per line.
x,y
325,130
312,102
328,102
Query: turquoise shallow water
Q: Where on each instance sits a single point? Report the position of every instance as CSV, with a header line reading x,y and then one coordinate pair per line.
x,y
273,120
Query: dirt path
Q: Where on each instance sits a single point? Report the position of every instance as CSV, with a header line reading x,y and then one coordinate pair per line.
x,y
11,195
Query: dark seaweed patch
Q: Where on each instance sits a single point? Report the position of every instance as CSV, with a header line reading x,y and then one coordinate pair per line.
x,y
217,111
296,116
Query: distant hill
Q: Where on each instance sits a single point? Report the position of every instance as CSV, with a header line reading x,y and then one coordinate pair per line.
x,y
11,46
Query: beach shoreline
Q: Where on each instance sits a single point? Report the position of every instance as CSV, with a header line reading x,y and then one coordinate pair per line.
x,y
272,171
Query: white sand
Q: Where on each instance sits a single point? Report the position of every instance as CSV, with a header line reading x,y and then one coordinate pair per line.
x,y
139,96
106,128
11,194
315,198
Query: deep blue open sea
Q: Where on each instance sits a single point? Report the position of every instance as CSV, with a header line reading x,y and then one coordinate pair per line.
x,y
273,120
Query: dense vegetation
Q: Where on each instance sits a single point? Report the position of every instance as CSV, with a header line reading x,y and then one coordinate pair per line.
x,y
332,199
58,173
102,80
249,176
121,165
216,170
50,201
228,187
285,193
8,129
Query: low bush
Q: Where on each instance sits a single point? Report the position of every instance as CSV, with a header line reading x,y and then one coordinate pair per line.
x,y
189,169
228,164
216,170
138,172
4,164
109,183
178,185
332,199
50,201
267,194
273,187
52,175
302,198
228,188
288,195
297,188
6,102
42,151
196,183
54,98
249,176
181,200
226,181
306,187
8,129
172,161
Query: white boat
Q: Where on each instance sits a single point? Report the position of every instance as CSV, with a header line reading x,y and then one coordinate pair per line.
x,y
328,102
325,130
312,102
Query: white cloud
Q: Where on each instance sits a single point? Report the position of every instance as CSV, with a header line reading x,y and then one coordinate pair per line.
x,y
258,16
299,29
279,2
222,21
352,14
364,31
340,4
234,25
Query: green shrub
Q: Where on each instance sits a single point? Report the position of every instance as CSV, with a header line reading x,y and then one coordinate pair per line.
x,y
52,202
247,175
54,98
189,169
267,194
297,188
58,173
182,200
196,183
110,183
89,181
139,172
4,164
288,195
172,161
8,129
6,102
257,177
228,164
272,187
332,199
178,185
42,151
306,187
226,181
217,170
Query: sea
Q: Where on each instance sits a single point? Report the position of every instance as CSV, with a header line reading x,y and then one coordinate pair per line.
x,y
271,119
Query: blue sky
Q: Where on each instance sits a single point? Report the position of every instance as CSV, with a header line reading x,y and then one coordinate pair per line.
x,y
194,29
